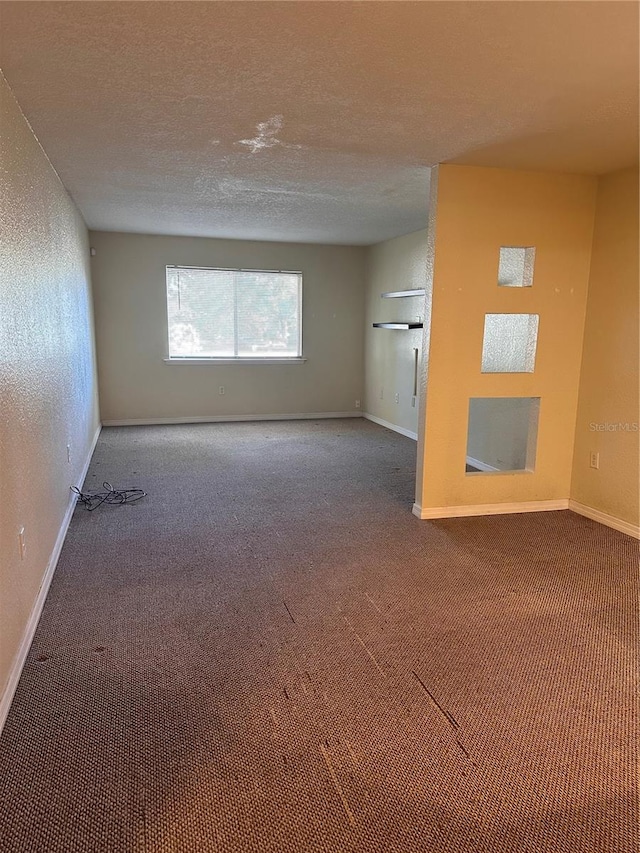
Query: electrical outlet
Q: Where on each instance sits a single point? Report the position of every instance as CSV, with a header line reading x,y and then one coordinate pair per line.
x,y
68,453
357,404
22,543
594,459
382,393
221,390
397,398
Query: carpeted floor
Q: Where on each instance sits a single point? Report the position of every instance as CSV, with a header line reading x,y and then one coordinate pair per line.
x,y
270,653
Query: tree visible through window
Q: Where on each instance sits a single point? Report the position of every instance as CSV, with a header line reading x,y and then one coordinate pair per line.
x,y
215,313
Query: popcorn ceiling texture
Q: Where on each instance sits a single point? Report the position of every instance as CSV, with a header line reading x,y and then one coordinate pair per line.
x,y
313,122
48,396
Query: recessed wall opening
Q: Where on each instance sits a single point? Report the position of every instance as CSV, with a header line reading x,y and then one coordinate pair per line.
x,y
509,343
502,434
516,266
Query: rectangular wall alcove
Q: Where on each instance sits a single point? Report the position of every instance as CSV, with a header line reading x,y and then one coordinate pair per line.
x,y
509,343
515,268
502,434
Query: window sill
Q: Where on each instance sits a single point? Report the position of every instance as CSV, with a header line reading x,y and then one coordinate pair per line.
x,y
215,361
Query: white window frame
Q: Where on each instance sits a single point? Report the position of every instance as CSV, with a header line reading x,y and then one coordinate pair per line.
x,y
237,359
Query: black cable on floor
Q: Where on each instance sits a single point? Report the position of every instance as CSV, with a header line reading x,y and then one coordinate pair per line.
x,y
92,500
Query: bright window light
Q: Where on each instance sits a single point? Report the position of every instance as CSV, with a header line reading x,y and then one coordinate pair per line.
x,y
229,314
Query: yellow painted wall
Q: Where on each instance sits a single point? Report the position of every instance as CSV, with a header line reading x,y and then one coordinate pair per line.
x,y
477,211
609,378
48,396
398,264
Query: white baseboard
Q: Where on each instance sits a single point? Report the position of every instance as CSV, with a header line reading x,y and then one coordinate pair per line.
x,y
36,611
215,419
487,509
481,466
604,518
389,425
527,506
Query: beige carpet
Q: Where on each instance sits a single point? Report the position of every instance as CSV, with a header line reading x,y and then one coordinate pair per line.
x,y
270,653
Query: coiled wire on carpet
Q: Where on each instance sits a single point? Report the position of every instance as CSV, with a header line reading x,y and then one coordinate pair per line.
x,y
92,500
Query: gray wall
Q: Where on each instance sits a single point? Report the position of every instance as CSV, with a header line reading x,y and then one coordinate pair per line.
x,y
398,264
131,329
48,397
502,432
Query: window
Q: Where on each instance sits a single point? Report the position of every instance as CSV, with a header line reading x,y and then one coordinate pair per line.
x,y
234,314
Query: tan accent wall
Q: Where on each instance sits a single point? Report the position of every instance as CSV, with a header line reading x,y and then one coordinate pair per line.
x,y
477,211
608,413
131,329
48,396
398,264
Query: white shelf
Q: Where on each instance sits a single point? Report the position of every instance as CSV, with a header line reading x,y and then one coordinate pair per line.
x,y
398,294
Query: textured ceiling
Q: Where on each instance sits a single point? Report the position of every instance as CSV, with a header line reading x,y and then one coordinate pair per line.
x,y
313,121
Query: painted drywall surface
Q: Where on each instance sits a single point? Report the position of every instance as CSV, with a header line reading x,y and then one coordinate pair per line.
x,y
398,264
131,331
608,403
423,377
478,210
48,396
